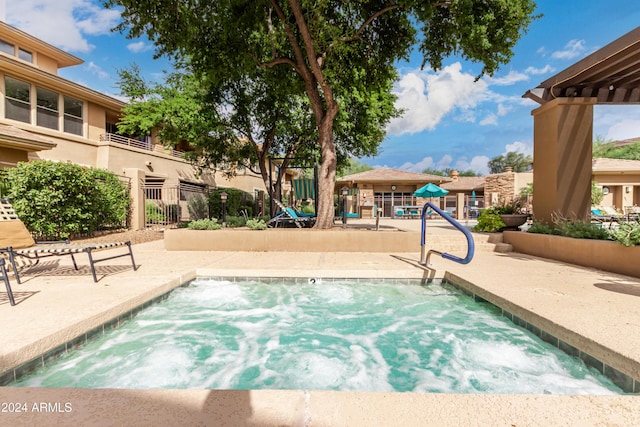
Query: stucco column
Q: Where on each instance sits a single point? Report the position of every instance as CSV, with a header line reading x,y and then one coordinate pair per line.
x,y
562,143
137,197
460,206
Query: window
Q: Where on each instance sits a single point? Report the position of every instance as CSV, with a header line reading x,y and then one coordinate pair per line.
x,y
25,55
7,47
47,108
17,100
72,116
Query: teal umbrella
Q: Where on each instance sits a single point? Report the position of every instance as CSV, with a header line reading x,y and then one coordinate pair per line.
x,y
430,190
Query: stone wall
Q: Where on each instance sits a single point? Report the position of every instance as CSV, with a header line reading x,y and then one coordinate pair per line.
x,y
499,186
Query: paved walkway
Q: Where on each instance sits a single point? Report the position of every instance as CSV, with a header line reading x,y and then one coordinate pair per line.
x,y
588,309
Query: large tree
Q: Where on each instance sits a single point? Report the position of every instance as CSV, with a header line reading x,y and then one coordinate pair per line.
x,y
518,162
331,49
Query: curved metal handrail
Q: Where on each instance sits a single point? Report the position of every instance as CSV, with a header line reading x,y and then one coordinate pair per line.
x,y
424,259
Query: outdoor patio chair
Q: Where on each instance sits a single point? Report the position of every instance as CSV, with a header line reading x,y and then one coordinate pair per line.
x,y
5,278
601,218
17,243
289,215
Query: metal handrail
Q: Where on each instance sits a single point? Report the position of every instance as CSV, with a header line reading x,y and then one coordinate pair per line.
x,y
424,259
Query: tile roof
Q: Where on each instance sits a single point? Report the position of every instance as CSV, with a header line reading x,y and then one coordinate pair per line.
x,y
615,165
465,183
393,175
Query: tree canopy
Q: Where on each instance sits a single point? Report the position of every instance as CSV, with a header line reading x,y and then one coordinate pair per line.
x,y
448,171
519,162
613,150
326,52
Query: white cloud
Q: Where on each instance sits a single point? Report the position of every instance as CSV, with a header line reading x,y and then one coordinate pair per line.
x,y
572,49
425,163
428,97
97,71
626,129
138,47
519,147
63,23
508,80
536,71
478,164
616,122
491,119
503,110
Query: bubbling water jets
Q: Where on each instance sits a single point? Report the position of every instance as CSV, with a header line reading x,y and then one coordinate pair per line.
x,y
337,336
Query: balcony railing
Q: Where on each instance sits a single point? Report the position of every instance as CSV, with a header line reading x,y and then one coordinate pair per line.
x,y
142,145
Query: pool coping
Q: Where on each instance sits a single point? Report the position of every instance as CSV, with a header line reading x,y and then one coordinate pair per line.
x,y
539,326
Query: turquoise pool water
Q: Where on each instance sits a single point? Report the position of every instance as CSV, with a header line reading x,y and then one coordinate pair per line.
x,y
216,334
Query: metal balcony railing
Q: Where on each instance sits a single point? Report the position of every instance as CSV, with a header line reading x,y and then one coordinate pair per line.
x,y
142,145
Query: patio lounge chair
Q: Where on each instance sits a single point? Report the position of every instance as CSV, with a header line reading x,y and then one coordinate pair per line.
x,y
289,215
601,218
17,242
5,278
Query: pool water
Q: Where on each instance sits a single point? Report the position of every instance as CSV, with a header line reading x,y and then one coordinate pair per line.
x,y
216,334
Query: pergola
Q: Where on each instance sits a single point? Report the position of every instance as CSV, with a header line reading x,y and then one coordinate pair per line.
x,y
563,124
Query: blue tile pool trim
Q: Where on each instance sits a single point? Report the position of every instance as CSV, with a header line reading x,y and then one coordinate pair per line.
x,y
625,382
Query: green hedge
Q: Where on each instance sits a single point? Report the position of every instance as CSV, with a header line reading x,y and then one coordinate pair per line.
x,y
58,200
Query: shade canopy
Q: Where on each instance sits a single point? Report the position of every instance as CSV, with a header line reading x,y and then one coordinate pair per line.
x,y
430,190
305,188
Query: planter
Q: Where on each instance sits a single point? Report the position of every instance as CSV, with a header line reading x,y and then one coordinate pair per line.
x,y
513,221
600,254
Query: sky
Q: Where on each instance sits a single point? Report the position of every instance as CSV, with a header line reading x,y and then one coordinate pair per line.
x,y
450,120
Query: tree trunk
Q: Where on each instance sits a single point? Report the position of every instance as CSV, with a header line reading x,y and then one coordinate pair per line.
x,y
326,175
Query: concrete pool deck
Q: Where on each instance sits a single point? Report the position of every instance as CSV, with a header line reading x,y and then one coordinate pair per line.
x,y
592,310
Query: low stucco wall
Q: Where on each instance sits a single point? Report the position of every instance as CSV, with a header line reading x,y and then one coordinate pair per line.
x,y
291,240
600,254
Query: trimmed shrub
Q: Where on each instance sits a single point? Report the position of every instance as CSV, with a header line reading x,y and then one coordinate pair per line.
x,y
57,200
205,224
256,224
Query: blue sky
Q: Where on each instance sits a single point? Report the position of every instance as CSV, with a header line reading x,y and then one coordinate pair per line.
x,y
450,120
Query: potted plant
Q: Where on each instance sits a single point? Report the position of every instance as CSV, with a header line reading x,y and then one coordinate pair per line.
x,y
512,213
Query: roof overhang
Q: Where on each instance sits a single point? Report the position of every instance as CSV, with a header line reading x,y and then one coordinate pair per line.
x,y
611,74
18,139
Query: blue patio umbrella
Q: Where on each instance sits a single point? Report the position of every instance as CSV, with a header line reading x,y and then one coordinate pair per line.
x,y
430,190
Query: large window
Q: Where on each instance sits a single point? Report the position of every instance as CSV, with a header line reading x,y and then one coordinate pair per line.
x,y
7,47
17,100
47,108
72,116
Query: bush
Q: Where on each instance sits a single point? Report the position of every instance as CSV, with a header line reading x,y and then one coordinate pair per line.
x,y
236,201
57,200
256,224
205,224
575,229
489,221
627,234
198,206
236,221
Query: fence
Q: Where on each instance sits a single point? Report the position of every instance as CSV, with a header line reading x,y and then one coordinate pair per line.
x,y
166,206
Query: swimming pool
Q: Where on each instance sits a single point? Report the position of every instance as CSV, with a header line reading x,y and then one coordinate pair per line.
x,y
333,335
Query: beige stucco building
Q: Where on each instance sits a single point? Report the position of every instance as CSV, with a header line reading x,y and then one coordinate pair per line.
x,y
620,181
44,116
